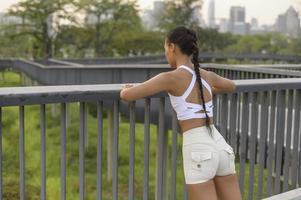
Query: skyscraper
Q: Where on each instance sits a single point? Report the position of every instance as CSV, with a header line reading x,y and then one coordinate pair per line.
x,y
292,22
289,23
237,23
238,14
211,14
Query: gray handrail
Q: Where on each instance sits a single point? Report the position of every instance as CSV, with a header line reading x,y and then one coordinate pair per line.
x,y
11,96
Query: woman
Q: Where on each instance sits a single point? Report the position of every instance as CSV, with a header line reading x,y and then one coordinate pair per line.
x,y
208,161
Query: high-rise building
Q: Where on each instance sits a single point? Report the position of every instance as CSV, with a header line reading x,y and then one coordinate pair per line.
x,y
224,25
289,23
281,24
237,23
254,23
211,14
237,14
150,17
292,22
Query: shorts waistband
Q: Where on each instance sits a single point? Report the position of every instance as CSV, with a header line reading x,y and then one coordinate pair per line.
x,y
201,134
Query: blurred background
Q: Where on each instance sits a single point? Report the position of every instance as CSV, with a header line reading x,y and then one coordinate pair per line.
x,y
73,43
36,29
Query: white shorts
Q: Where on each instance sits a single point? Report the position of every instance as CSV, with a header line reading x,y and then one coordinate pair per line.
x,y
205,157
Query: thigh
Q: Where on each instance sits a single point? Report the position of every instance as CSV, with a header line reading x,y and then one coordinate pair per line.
x,y
202,191
227,187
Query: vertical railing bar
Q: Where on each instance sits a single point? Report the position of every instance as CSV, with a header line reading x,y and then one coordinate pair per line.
x,y
22,154
63,150
82,134
233,112
132,152
279,136
299,154
296,105
262,142
99,148
271,152
160,151
115,149
253,141
239,120
43,151
174,156
288,133
243,141
146,149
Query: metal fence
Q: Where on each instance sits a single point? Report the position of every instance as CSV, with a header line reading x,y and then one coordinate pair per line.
x,y
66,73
261,121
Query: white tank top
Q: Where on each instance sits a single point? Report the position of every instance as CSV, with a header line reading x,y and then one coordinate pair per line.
x,y
186,110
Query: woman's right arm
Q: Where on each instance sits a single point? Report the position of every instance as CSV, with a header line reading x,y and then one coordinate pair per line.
x,y
220,84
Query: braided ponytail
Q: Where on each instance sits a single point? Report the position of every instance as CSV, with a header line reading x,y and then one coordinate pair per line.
x,y
195,61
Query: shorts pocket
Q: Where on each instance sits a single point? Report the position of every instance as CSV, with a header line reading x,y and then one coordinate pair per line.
x,y
231,155
200,160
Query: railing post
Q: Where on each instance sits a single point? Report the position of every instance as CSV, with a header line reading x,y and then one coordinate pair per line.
x,y
279,136
263,99
132,151
146,149
115,149
243,140
43,151
288,133
82,135
271,149
22,153
253,141
109,144
175,129
161,153
99,148
296,128
63,151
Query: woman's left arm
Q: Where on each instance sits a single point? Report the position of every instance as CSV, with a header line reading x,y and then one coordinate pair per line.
x,y
158,83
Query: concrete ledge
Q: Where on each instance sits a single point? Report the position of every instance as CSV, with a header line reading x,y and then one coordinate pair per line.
x,y
290,195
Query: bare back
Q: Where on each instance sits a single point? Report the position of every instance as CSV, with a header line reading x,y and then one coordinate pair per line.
x,y
181,79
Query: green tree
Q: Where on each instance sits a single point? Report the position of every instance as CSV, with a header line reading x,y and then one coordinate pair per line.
x,y
12,46
38,19
72,41
210,40
179,12
138,43
111,18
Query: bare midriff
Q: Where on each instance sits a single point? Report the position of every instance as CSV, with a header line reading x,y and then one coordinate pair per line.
x,y
193,123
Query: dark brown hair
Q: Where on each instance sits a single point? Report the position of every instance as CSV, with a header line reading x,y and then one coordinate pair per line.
x,y
186,40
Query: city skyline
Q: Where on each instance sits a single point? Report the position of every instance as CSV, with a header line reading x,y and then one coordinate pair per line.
x,y
222,8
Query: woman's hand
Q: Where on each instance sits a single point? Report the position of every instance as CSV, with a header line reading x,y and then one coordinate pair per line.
x,y
127,86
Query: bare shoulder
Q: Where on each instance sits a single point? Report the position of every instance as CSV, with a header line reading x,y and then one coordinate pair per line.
x,y
206,75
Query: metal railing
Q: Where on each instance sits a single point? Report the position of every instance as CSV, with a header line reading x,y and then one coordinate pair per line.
x,y
65,73
260,120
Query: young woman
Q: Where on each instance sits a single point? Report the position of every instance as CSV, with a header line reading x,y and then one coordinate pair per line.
x,y
208,160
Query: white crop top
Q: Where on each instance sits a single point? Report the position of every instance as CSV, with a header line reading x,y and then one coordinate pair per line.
x,y
186,110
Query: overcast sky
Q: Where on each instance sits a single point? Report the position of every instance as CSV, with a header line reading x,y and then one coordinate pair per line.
x,y
266,11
